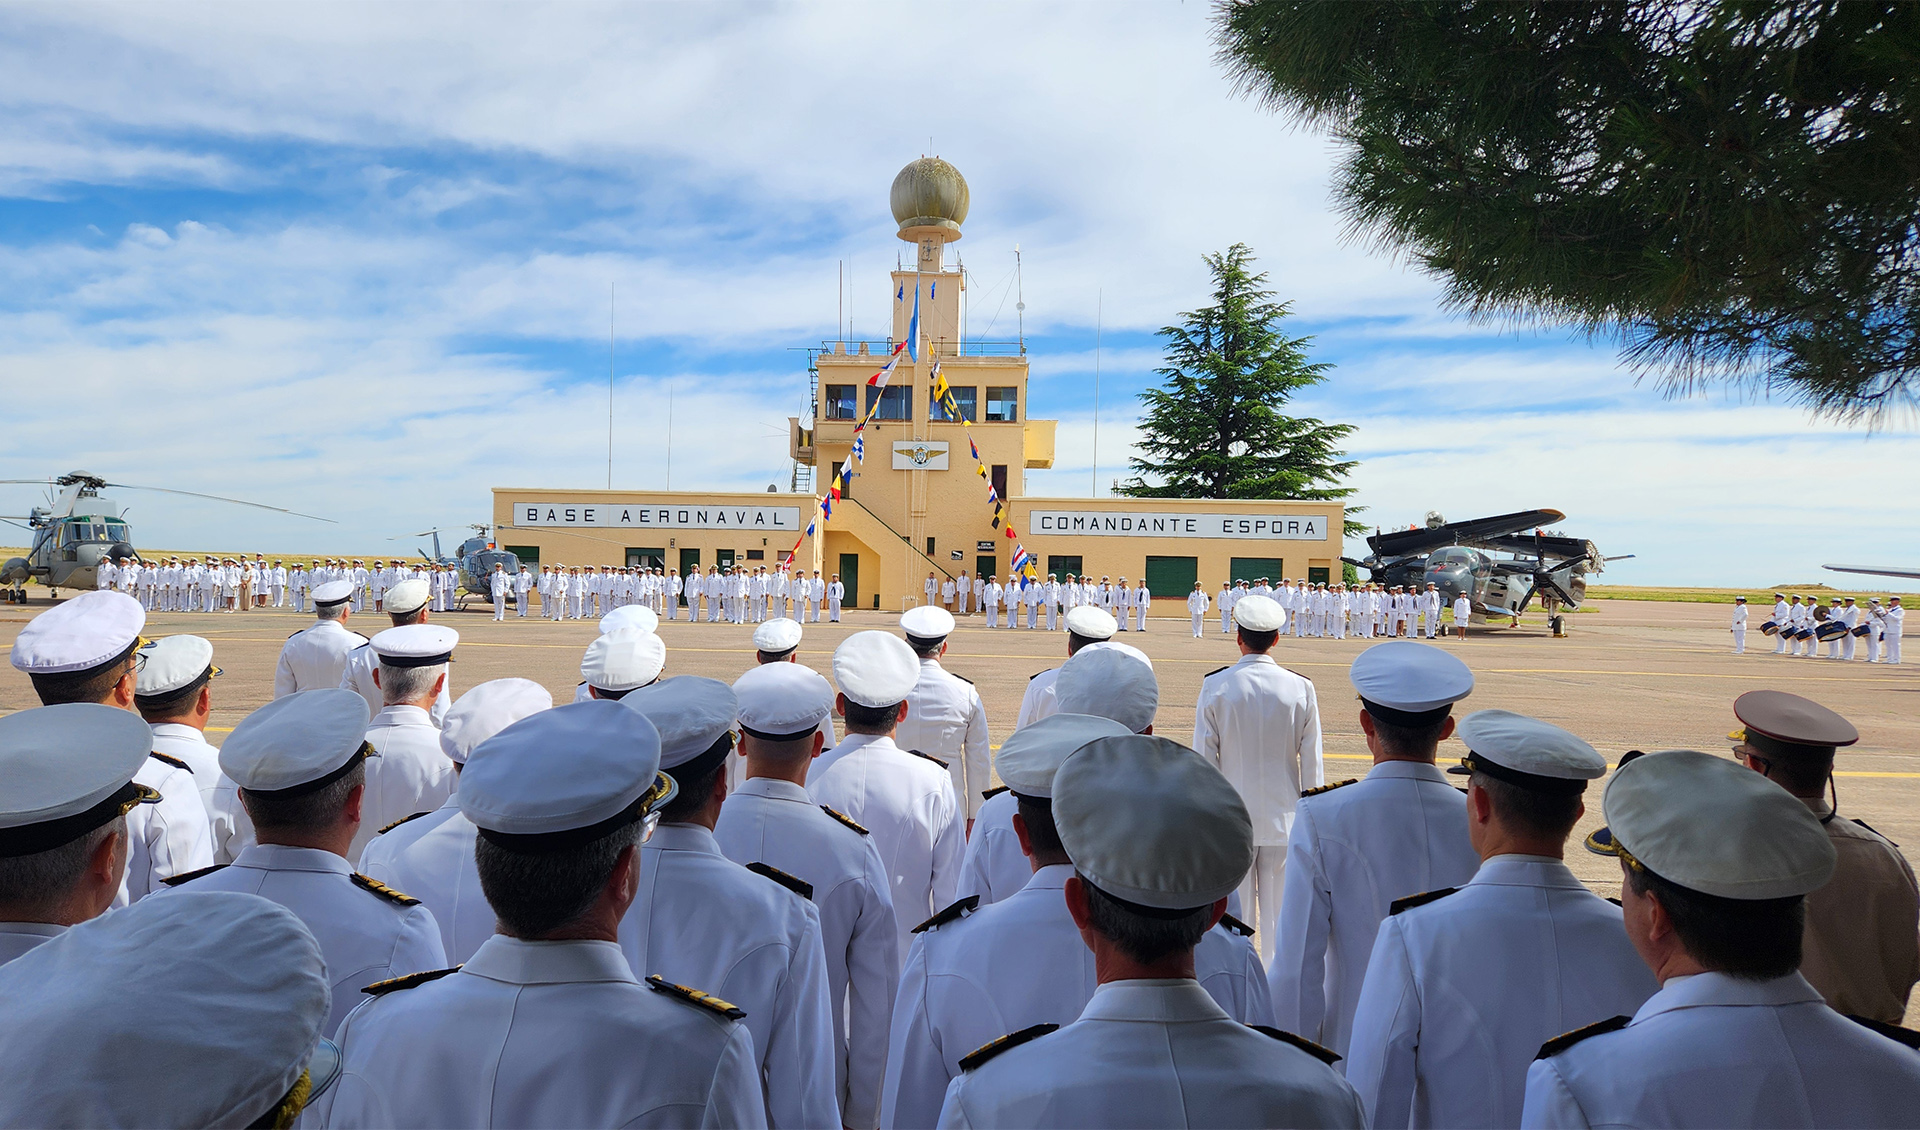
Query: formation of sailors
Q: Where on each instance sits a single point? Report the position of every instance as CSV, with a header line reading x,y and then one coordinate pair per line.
x,y
1319,610
723,594
1841,629
674,901
229,584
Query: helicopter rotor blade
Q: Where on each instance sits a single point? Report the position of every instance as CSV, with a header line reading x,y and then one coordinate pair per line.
x,y
26,482
223,498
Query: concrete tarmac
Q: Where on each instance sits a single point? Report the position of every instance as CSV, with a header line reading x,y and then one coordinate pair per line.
x,y
1631,675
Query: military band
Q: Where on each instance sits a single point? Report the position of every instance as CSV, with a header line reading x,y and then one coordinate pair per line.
x,y
675,902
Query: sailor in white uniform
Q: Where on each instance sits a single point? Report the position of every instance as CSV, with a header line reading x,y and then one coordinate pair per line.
x,y
70,784
1739,627
945,717
751,937
315,657
300,764
408,772
573,1037
1085,624
1360,844
835,593
1781,618
406,603
224,1030
430,855
1715,861
1259,724
620,661
771,822
1464,985
1197,605
175,696
905,800
1150,830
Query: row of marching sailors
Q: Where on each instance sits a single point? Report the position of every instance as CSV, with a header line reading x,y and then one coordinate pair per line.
x,y
1802,625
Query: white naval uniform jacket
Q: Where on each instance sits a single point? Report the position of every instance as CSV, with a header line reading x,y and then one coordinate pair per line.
x,y
1462,991
1713,1050
17,938
776,823
314,657
431,858
907,802
1399,831
704,921
945,718
543,1034
1152,1054
1011,965
411,774
177,739
1259,724
357,676
993,867
168,838
365,936
1038,701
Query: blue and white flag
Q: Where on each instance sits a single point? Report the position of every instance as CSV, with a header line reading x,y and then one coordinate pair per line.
x,y
913,326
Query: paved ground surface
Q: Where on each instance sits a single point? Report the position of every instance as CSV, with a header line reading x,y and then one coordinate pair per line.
x,y
1633,675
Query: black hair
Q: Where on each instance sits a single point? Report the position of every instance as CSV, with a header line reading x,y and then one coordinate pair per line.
x,y
1752,939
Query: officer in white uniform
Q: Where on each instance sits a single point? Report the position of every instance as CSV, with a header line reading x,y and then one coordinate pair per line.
x,y
1715,862
410,773
1259,724
406,603
750,937
68,652
548,1012
63,835
1465,985
619,662
905,800
945,717
191,1010
1360,844
316,656
430,855
1085,624
778,641
522,585
1197,605
1893,626
1151,830
1739,626
174,694
1781,619
771,822
300,764
836,592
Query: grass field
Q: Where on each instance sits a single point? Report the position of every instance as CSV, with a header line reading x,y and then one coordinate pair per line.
x,y
1725,596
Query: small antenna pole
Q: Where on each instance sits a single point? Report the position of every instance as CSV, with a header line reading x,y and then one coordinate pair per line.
x,y
609,386
1020,300
840,296
669,433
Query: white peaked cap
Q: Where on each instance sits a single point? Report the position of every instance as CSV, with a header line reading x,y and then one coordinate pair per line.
x,y
1110,683
1258,613
691,713
487,709
875,669
173,664
777,635
297,740
79,633
1029,758
1091,622
637,617
192,1008
563,770
1148,820
623,660
405,597
782,700
927,622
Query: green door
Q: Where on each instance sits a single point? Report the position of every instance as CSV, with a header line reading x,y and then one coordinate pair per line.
x,y
645,557
1172,576
1251,569
1060,565
850,577
1319,577
689,565
984,567
529,555
723,558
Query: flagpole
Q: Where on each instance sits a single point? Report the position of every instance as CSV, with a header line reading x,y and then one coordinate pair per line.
x,y
1099,309
609,386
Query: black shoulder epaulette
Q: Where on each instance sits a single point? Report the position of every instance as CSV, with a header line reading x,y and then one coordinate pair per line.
x,y
295,632
395,984
1905,1036
362,647
953,913
1037,674
1618,903
1325,1055
1291,671
1214,672
1561,1043
960,677
351,632
929,757
401,821
660,984
845,819
190,876
1329,788
1883,836
1235,926
1421,899
384,891
168,759
992,1048
793,883
995,791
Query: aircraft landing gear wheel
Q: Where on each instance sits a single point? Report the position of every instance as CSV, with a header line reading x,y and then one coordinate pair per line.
x,y
1558,624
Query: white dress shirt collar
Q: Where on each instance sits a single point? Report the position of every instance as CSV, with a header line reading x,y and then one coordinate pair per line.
x,y
684,837
1525,871
1412,770
774,788
280,857
1719,990
1153,1001
515,961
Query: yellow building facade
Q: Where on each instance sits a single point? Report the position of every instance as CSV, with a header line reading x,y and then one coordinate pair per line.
x,y
917,503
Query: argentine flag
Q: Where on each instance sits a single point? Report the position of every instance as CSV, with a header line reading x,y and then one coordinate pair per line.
x,y
913,326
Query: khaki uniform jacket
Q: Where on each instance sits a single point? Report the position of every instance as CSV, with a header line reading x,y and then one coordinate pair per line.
x,y
1862,948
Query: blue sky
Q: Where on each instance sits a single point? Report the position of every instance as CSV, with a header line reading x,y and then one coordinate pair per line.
x,y
356,261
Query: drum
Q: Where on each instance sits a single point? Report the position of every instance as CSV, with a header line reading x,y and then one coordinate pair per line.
x,y
1770,628
1830,630
1863,630
1803,632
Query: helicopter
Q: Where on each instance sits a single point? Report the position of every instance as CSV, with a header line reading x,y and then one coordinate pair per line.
x,y
78,530
1454,557
475,559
